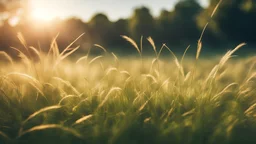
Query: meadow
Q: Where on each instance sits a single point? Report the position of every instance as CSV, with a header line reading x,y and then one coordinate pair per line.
x,y
51,98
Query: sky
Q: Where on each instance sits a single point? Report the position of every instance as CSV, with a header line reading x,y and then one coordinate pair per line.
x,y
85,9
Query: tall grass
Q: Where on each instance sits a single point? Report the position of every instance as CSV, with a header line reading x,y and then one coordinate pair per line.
x,y
94,100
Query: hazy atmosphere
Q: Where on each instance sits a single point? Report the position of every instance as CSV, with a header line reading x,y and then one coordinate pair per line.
x,y
85,9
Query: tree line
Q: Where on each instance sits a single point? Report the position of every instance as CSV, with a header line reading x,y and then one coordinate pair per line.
x,y
233,22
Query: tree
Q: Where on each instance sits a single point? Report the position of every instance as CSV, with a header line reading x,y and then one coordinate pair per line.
x,y
164,26
142,23
100,29
9,5
10,8
121,27
234,21
183,25
70,29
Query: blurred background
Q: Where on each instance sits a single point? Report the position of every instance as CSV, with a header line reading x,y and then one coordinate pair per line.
x,y
177,23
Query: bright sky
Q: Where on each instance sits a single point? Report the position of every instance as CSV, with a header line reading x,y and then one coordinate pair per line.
x,y
85,9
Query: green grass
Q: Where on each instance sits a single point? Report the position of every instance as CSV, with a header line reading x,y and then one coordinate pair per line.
x,y
47,98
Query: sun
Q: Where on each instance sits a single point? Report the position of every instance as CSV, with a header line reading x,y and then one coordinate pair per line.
x,y
47,10
42,10
41,14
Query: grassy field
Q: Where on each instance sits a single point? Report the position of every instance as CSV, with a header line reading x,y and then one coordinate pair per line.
x,y
49,98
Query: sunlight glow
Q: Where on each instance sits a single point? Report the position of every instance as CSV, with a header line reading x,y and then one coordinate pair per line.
x,y
42,14
46,10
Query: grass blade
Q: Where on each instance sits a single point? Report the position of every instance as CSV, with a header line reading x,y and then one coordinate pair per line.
x,y
83,119
41,111
51,126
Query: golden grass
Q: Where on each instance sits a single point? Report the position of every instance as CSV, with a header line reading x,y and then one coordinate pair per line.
x,y
51,126
40,112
